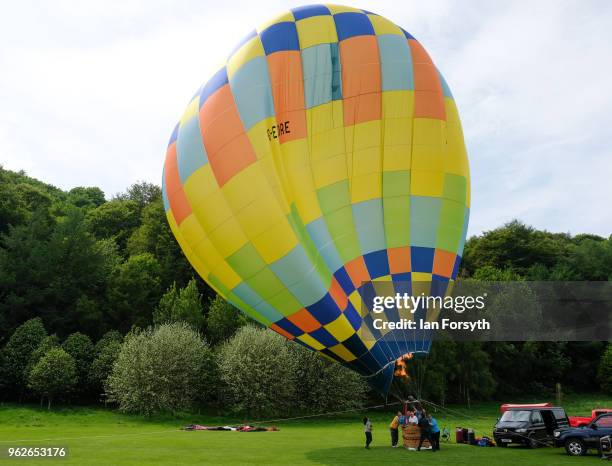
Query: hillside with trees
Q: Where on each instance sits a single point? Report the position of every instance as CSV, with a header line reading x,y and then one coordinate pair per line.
x,y
87,281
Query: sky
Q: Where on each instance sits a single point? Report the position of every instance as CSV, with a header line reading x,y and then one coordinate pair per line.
x,y
90,92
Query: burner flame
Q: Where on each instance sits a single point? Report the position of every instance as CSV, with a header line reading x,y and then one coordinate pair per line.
x,y
401,369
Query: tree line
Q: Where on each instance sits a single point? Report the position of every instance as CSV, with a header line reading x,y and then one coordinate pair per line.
x,y
172,368
83,276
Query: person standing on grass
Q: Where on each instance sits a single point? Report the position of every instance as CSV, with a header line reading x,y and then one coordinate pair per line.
x,y
435,433
425,429
394,428
367,428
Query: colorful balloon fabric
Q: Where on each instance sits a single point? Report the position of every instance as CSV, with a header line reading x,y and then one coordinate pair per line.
x,y
326,153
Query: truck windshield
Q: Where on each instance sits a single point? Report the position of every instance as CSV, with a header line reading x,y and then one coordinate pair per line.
x,y
515,416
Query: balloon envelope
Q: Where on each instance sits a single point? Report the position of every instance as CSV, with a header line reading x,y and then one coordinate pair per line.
x,y
325,154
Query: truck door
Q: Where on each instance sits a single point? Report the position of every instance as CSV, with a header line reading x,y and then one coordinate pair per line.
x,y
560,418
604,427
538,426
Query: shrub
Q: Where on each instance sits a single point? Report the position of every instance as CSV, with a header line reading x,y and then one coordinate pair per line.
x,y
257,367
265,375
53,375
16,355
163,369
108,338
102,365
105,353
45,345
80,347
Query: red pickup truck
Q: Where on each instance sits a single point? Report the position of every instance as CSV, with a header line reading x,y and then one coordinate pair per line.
x,y
580,421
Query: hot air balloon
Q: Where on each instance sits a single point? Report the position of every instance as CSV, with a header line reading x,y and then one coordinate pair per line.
x,y
325,155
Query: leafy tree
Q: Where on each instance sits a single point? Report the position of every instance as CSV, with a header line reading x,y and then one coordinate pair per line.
x,y
504,356
17,353
514,246
160,370
591,259
509,306
106,351
47,343
108,338
77,271
102,365
543,364
605,370
184,305
257,368
80,347
154,236
52,270
142,193
33,197
88,312
489,273
109,251
87,197
439,371
24,270
223,320
53,375
12,208
579,238
562,272
22,196
583,360
474,378
116,219
134,290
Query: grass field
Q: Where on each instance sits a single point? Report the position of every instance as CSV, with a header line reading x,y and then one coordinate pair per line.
x,y
96,436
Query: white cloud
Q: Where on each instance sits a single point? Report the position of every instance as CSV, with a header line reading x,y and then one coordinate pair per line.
x,y
90,92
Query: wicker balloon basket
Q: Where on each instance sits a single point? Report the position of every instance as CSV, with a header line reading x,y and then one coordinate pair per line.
x,y
412,436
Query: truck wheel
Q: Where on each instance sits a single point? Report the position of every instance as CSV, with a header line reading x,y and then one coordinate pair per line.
x,y
502,444
575,447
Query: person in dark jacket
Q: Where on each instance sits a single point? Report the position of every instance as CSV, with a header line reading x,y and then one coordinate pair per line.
x,y
425,427
419,412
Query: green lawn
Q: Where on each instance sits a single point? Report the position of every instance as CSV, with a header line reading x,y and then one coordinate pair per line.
x,y
98,436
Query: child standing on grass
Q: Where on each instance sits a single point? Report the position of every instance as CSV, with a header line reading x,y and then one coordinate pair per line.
x,y
367,428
